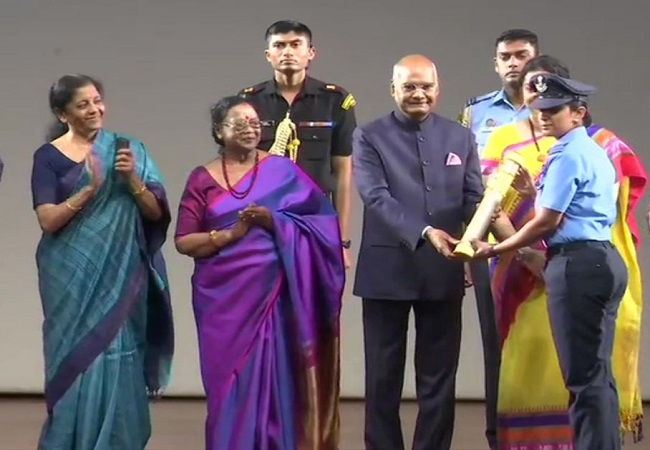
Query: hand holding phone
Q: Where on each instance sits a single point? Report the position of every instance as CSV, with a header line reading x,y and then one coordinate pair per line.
x,y
124,162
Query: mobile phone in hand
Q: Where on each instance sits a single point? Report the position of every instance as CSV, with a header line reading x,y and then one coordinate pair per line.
x,y
120,143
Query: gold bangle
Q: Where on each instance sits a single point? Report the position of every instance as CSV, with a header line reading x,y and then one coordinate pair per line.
x,y
141,190
72,208
214,235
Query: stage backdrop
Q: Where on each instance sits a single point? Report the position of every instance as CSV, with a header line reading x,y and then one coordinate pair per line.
x,y
164,62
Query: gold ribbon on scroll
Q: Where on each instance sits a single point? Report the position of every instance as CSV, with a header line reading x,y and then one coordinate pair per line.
x,y
497,186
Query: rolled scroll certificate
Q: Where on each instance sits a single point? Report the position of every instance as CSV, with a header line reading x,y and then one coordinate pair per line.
x,y
497,186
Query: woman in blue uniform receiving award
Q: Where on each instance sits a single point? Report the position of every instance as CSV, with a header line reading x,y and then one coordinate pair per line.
x,y
585,275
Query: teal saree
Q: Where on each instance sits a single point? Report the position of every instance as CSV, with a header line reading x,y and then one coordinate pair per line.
x,y
107,330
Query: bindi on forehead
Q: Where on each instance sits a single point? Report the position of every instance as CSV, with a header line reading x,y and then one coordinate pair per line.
x,y
87,92
246,114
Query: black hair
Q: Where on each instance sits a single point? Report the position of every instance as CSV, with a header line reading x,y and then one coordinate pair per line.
x,y
220,110
544,63
573,105
518,34
288,26
61,94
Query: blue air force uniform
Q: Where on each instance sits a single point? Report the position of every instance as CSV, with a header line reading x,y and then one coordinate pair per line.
x,y
585,275
485,113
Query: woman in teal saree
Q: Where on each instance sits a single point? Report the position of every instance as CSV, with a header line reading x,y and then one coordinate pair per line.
x,y
107,331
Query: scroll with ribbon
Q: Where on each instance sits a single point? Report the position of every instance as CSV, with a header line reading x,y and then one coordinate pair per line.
x,y
497,186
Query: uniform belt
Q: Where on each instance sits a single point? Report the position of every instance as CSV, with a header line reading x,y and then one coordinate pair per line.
x,y
560,249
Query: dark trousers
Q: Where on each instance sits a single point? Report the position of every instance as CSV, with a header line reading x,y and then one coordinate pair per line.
x,y
437,348
491,346
585,283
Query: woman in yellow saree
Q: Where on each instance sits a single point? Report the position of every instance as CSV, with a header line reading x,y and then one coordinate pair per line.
x,y
533,401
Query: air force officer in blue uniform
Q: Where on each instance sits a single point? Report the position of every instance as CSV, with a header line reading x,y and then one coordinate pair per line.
x,y
419,178
585,275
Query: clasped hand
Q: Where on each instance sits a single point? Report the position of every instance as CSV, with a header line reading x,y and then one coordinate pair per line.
x,y
252,215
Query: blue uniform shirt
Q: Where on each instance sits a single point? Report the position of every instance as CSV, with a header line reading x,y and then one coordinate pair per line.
x,y
580,181
485,113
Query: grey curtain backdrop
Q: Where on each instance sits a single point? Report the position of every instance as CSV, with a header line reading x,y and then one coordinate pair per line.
x,y
164,62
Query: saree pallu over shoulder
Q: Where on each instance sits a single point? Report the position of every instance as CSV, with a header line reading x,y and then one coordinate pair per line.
x,y
316,293
628,165
93,271
267,311
632,178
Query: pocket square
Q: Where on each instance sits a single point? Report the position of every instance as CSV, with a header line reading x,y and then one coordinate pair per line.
x,y
453,160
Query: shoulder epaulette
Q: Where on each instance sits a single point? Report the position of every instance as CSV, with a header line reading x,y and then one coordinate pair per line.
x,y
474,100
252,89
332,89
465,116
348,101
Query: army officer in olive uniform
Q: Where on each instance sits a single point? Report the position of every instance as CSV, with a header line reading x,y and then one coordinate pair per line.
x,y
306,119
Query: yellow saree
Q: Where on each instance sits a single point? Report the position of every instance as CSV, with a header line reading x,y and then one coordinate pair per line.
x,y
533,402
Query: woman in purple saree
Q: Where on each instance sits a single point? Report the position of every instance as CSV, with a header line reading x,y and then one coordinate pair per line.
x,y
266,291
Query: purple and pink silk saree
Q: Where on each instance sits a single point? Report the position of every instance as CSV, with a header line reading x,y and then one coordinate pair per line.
x,y
267,311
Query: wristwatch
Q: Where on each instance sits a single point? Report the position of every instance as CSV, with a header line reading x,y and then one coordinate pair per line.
x,y
346,243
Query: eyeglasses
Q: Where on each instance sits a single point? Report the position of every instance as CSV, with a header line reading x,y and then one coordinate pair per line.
x,y
241,125
412,87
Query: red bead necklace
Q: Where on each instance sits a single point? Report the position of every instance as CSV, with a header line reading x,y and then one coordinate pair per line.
x,y
240,194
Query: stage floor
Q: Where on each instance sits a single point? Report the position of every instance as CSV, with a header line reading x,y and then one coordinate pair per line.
x,y
178,425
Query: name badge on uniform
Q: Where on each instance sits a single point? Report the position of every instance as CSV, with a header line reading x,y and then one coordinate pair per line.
x,y
321,124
